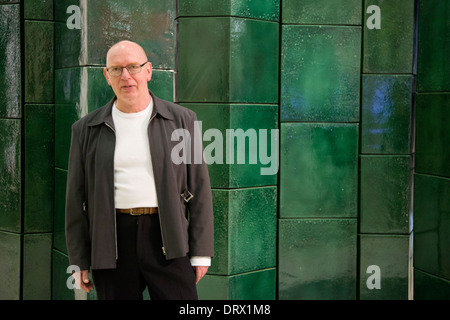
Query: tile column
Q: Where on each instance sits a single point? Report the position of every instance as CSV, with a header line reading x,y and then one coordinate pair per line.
x,y
227,72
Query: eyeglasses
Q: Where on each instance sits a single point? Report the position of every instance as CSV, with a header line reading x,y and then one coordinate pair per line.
x,y
132,69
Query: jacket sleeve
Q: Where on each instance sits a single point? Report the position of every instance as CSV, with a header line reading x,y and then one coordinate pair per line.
x,y
201,220
76,222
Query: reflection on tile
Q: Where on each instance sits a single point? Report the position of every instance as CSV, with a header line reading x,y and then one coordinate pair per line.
x,y
244,230
433,134
39,162
39,80
386,114
318,170
262,9
11,177
320,73
10,266
389,255
385,194
346,12
224,121
431,221
390,48
223,59
317,259
149,23
10,76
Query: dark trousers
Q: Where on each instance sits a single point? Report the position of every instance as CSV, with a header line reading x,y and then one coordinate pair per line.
x,y
141,264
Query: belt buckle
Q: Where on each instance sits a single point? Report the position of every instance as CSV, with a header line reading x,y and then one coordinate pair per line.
x,y
134,214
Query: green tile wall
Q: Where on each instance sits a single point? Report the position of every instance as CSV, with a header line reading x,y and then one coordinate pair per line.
x,y
432,166
339,93
433,46
227,173
390,255
227,59
317,259
345,12
385,194
431,219
10,64
320,73
386,114
10,244
11,177
433,134
318,170
390,48
227,72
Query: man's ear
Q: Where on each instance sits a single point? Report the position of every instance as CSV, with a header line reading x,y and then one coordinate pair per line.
x,y
150,71
105,73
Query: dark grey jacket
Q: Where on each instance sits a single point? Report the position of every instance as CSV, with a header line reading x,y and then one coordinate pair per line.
x,y
90,226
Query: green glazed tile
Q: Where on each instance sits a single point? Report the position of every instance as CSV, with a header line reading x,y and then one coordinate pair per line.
x,y
39,170
255,285
224,59
318,170
433,47
390,255
39,79
385,194
317,259
59,237
431,221
244,230
85,86
262,9
162,84
430,287
37,266
386,114
149,23
38,9
320,73
432,134
223,122
322,11
11,177
60,263
10,244
390,48
10,70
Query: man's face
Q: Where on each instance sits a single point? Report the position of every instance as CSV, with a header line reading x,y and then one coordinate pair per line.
x,y
130,89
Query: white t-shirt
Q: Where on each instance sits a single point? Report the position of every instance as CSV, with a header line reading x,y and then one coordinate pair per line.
x,y
133,171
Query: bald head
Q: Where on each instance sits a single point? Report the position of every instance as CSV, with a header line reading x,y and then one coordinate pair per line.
x,y
125,47
131,89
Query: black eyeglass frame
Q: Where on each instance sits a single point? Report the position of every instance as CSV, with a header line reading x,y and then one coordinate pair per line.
x,y
127,67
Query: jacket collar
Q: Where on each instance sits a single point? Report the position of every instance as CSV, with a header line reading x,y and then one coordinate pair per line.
x,y
105,114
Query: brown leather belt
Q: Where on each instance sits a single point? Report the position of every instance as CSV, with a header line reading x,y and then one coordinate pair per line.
x,y
138,211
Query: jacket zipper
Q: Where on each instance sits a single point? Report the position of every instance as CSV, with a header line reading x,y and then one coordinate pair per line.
x,y
115,218
159,218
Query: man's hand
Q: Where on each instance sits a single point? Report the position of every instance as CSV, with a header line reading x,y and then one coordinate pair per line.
x,y
82,280
200,271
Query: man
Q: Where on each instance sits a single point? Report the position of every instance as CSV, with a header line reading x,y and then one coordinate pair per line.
x,y
132,215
